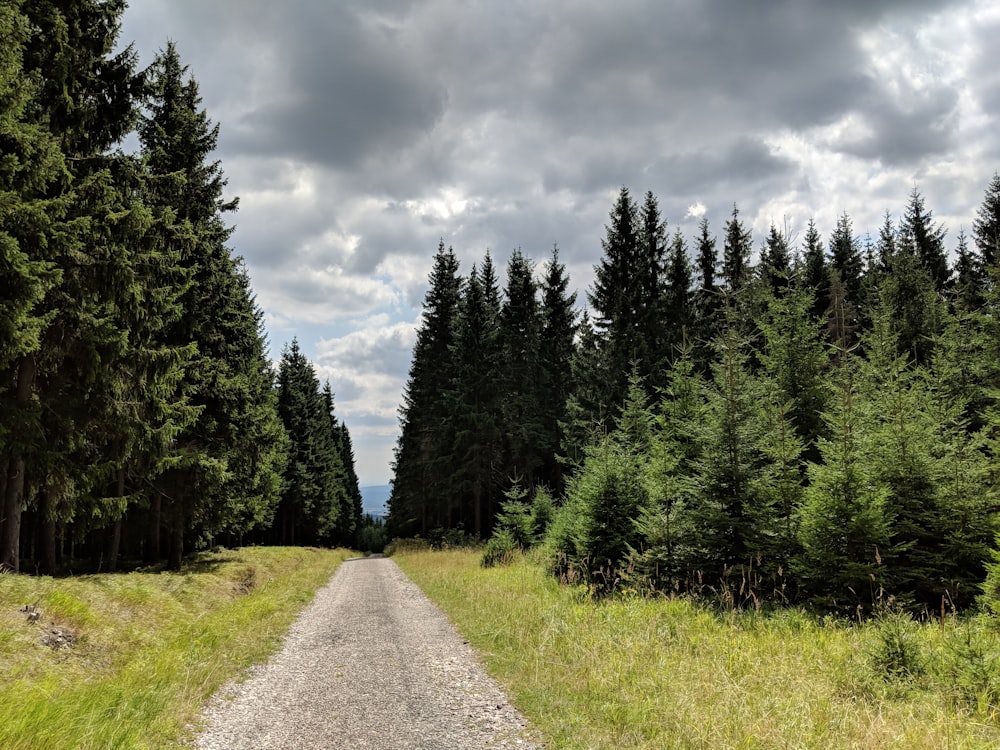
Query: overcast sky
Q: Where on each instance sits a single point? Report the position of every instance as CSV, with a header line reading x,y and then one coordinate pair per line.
x,y
357,134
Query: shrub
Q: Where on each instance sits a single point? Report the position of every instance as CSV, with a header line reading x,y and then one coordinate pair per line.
x,y
501,549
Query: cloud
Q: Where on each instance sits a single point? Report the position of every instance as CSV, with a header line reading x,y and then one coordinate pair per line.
x,y
358,135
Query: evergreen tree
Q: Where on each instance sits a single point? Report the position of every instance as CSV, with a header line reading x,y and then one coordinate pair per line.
x,y
845,258
843,527
351,486
919,236
815,273
29,174
970,277
706,297
222,473
775,260
652,335
736,251
84,96
556,353
425,442
986,226
312,493
616,295
476,409
522,372
725,513
679,308
792,356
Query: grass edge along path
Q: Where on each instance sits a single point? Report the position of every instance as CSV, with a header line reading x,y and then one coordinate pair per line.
x,y
127,660
632,672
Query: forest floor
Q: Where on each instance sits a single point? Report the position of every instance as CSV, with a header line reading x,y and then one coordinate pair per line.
x,y
370,663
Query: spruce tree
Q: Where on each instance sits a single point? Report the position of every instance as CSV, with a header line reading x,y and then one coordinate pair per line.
x,y
725,512
919,236
845,258
415,503
815,273
775,260
843,526
522,373
706,297
312,491
678,301
28,216
222,472
475,403
736,250
616,296
85,97
986,228
558,329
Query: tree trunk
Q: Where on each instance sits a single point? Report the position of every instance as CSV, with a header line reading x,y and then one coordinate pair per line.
x,y
46,534
10,543
176,554
114,543
153,540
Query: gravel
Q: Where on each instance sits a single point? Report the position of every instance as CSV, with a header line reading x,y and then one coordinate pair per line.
x,y
370,663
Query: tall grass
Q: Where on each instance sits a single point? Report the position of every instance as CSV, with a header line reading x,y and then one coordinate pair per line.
x,y
147,648
632,672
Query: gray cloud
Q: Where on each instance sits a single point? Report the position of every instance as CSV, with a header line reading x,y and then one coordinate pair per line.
x,y
358,134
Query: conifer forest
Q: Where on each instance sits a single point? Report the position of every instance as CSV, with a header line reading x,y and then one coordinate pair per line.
x,y
140,416
758,419
777,418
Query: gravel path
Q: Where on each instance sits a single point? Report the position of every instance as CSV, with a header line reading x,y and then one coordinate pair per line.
x,y
371,663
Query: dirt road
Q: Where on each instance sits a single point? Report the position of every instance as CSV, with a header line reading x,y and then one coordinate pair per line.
x,y
371,663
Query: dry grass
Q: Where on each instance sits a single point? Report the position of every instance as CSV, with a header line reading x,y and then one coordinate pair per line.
x,y
661,673
124,661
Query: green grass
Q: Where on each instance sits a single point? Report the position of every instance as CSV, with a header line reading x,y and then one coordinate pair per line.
x,y
671,673
150,648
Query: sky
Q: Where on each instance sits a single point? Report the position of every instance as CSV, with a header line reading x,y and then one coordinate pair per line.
x,y
358,134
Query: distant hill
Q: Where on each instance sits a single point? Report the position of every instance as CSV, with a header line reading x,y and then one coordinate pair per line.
x,y
375,498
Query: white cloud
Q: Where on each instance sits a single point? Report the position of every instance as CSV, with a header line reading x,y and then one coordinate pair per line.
x,y
696,210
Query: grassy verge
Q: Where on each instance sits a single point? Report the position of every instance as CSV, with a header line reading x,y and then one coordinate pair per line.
x,y
641,673
124,661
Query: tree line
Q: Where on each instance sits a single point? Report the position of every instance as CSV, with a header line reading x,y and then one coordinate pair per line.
x,y
139,413
811,421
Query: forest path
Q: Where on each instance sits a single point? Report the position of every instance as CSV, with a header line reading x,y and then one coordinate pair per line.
x,y
370,663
